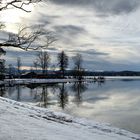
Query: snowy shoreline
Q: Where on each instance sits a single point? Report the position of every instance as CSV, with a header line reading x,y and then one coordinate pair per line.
x,y
35,81
22,121
45,81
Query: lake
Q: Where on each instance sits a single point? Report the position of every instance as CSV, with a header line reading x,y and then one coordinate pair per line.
x,y
114,101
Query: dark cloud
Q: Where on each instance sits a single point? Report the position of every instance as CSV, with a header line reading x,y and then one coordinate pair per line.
x,y
67,34
89,52
69,29
46,19
52,49
103,6
100,63
96,99
89,62
94,52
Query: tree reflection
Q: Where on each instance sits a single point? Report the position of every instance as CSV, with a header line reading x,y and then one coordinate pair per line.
x,y
79,88
40,93
63,96
10,90
18,92
100,83
2,91
44,97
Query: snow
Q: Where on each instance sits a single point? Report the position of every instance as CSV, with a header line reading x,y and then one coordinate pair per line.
x,y
38,81
20,121
122,77
41,81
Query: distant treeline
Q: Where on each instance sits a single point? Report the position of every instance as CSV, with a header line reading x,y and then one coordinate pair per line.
x,y
72,73
108,73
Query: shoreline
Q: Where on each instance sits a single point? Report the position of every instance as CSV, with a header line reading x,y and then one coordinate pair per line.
x,y
45,81
18,113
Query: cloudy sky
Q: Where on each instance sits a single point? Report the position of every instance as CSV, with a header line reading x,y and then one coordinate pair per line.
x,y
105,32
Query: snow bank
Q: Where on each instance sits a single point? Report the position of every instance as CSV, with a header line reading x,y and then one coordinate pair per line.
x,y
25,122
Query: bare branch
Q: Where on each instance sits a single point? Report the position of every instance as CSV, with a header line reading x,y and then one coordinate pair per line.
x,y
1,25
43,60
27,39
19,4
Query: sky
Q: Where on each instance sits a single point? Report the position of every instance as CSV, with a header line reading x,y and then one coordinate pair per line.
x,y
105,32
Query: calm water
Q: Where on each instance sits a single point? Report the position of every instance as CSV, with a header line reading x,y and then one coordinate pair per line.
x,y
116,101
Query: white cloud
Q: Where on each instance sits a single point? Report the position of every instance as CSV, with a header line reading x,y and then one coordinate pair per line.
x,y
116,35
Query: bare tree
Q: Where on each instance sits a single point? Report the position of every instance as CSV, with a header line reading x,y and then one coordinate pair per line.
x,y
2,52
43,60
79,71
30,38
62,62
26,37
2,63
19,4
19,66
10,69
2,67
31,68
35,64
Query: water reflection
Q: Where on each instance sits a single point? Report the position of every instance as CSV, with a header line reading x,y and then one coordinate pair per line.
x,y
63,96
78,88
2,91
18,92
44,95
115,101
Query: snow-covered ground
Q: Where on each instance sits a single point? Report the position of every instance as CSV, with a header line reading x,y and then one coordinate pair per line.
x,y
42,81
38,81
20,121
122,77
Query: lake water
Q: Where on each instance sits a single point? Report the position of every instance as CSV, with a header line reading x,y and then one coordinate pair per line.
x,y
115,101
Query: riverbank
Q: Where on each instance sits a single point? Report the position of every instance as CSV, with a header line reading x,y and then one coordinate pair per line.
x,y
22,121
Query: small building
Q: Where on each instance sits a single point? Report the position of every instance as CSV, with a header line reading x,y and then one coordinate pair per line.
x,y
29,75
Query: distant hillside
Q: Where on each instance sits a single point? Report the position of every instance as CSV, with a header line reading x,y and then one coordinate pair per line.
x,y
108,73
86,73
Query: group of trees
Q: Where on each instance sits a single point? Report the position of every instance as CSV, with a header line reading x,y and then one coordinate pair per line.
x,y
62,62
27,38
43,61
21,39
78,69
33,38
